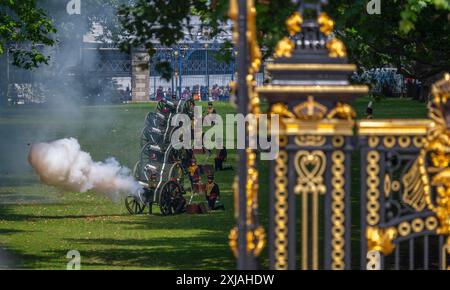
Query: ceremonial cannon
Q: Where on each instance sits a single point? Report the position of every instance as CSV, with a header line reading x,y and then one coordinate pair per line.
x,y
161,169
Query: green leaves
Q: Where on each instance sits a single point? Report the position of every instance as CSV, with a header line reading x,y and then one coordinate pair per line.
x,y
23,26
410,35
413,8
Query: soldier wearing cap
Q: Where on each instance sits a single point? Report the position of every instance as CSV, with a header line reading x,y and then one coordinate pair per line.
x,y
221,157
212,193
194,172
211,109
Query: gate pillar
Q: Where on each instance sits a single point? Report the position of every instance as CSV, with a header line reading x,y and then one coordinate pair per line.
x,y
310,179
140,76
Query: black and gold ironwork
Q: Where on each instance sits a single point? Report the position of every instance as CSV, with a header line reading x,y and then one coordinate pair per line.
x,y
398,230
405,173
311,93
406,205
247,189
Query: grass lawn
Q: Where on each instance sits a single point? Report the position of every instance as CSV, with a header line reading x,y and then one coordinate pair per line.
x,y
40,224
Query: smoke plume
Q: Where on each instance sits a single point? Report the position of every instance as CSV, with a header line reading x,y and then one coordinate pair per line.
x,y
62,164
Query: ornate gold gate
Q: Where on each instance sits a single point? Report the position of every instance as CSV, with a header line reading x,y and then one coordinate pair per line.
x,y
404,166
405,200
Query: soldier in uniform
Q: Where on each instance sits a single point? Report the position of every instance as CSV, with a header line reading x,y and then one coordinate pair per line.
x,y
194,175
213,194
211,109
369,111
220,159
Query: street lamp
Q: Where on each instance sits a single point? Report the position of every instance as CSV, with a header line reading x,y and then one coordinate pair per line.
x,y
207,69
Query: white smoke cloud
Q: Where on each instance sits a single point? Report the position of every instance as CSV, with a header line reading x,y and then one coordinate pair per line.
x,y
62,164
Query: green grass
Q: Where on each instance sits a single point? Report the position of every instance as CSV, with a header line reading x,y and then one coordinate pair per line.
x,y
40,224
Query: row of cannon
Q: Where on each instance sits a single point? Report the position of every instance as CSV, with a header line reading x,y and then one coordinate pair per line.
x,y
161,169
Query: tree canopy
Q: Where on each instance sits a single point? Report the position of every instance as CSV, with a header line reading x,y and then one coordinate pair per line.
x,y
23,28
418,44
412,35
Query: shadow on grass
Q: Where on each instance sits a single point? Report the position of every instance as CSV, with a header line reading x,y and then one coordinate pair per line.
x,y
204,251
13,217
203,244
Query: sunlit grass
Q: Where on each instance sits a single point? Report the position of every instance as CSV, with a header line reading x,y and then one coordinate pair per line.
x,y
40,224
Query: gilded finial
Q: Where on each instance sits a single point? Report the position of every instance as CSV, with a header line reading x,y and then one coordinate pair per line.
x,y
284,48
336,48
326,23
294,23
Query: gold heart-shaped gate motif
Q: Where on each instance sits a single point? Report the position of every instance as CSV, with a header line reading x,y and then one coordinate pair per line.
x,y
310,167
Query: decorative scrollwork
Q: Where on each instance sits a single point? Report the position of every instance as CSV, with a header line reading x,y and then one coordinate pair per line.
x,y
310,167
310,140
342,111
421,177
282,110
413,194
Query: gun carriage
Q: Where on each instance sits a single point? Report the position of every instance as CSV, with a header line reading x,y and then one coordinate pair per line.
x,y
162,169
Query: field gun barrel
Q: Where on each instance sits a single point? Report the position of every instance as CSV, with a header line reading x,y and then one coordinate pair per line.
x,y
170,104
161,116
156,130
156,148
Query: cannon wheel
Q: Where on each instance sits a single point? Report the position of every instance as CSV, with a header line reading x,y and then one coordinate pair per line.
x,y
144,138
146,153
151,120
138,173
134,206
178,174
147,137
169,193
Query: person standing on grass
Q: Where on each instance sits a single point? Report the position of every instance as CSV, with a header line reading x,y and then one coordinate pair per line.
x,y
211,109
220,159
194,175
369,111
213,194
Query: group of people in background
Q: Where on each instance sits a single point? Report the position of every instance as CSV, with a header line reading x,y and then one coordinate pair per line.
x,y
197,92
